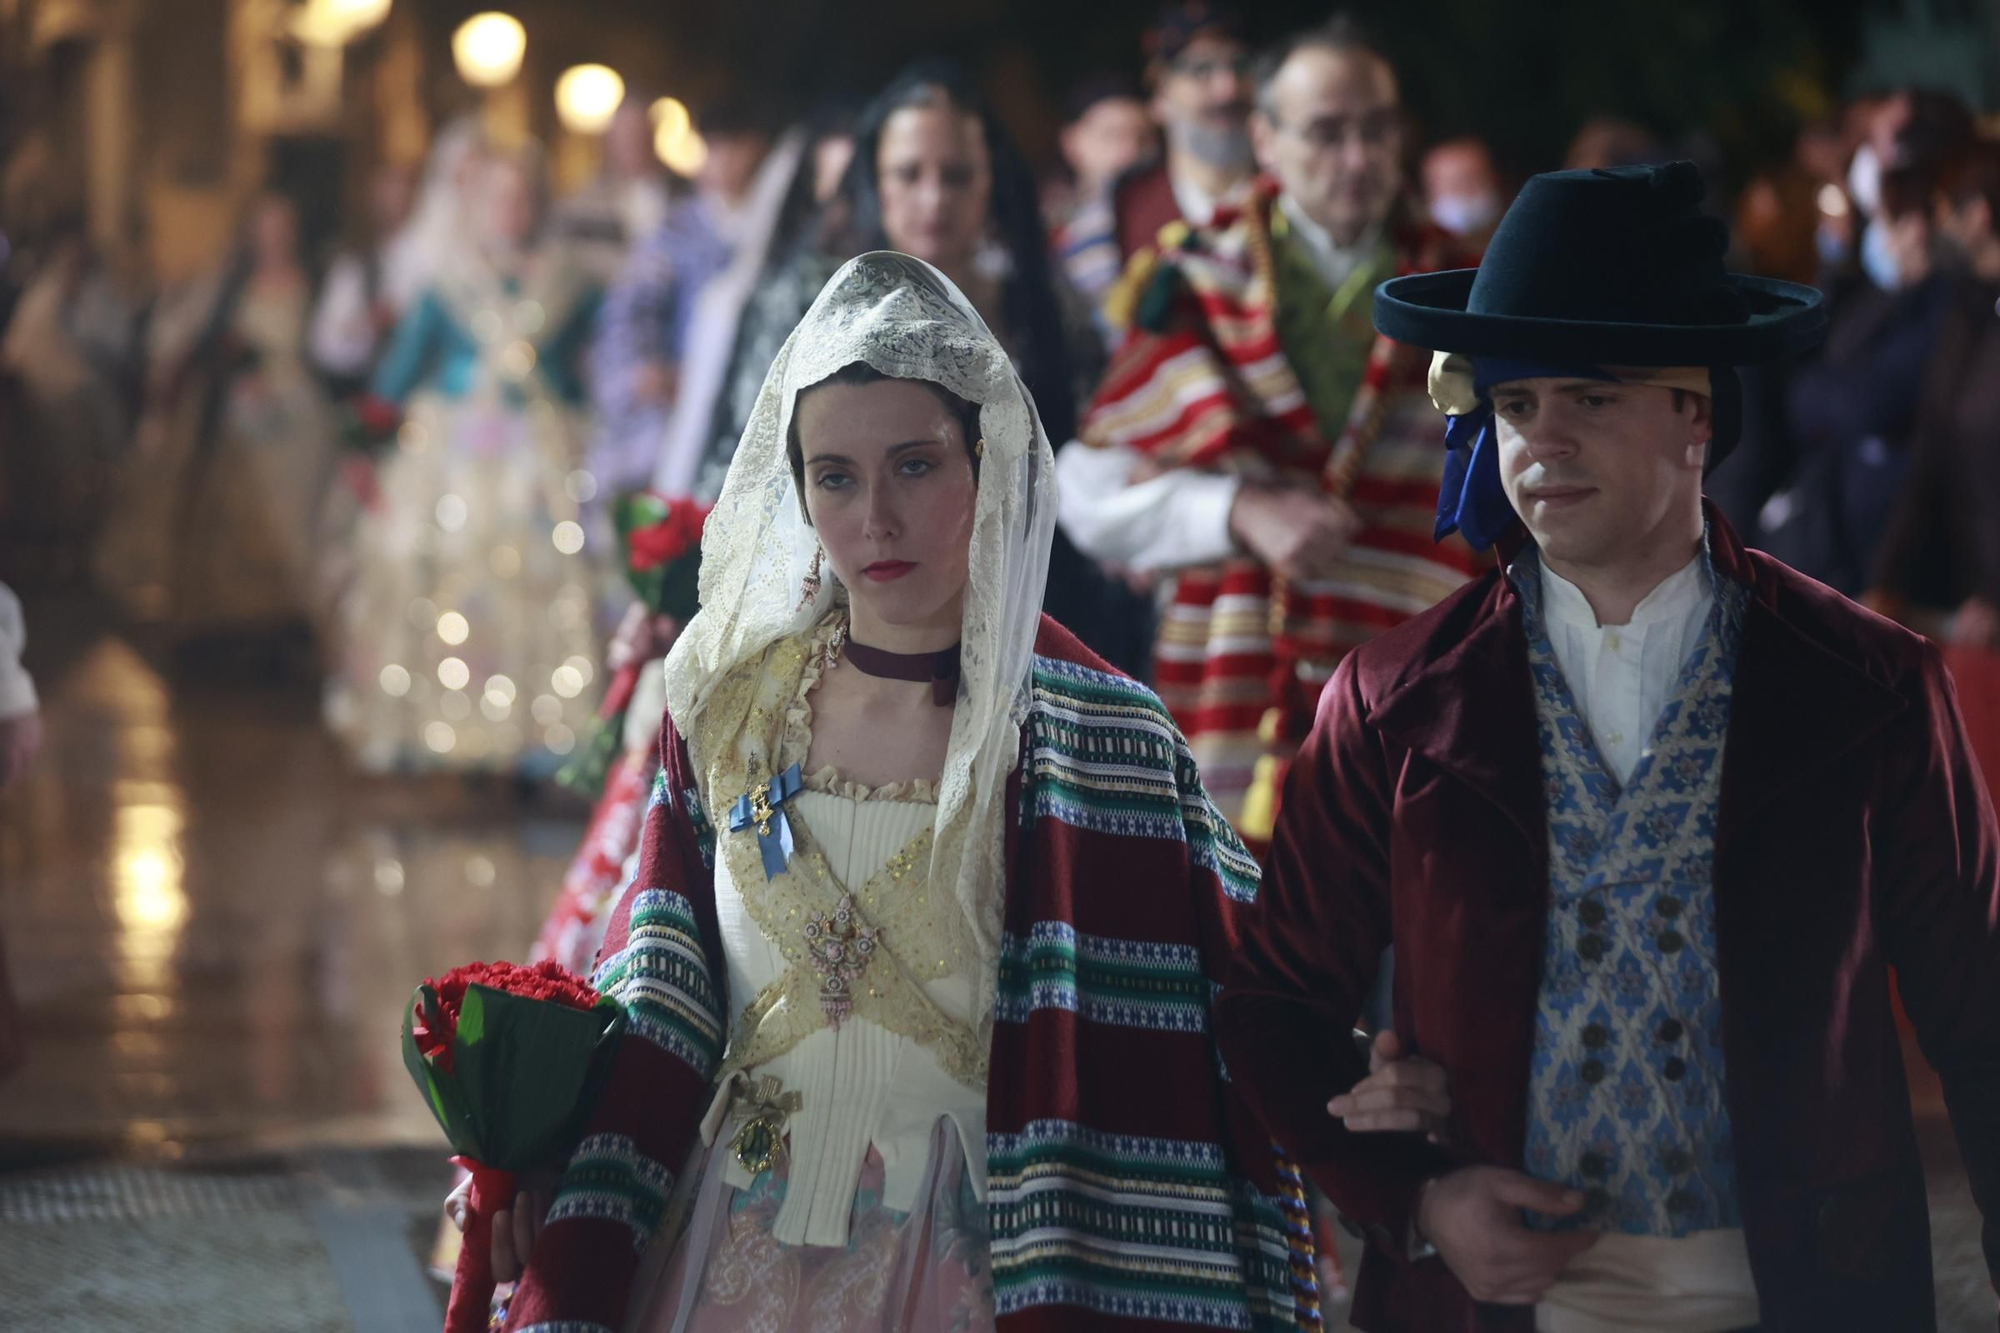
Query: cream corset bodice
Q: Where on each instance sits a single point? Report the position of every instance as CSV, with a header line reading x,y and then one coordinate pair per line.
x,y
876,1060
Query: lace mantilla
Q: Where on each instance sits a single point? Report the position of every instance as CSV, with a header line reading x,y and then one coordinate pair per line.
x,y
906,319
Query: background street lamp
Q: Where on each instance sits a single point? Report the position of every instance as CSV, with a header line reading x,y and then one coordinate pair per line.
x,y
674,139
337,22
684,155
488,48
587,97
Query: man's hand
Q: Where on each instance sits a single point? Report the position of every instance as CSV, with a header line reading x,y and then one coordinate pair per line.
x,y
1300,534
20,741
1473,1217
1401,1092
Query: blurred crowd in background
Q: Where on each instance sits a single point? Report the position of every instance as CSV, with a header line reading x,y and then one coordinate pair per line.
x,y
268,461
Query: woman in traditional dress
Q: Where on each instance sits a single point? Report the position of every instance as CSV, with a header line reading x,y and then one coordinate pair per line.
x,y
217,522
918,959
935,175
469,623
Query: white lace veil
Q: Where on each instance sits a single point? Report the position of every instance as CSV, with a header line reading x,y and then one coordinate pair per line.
x,y
907,320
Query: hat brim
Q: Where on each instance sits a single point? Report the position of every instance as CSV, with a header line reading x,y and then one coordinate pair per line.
x,y
1428,310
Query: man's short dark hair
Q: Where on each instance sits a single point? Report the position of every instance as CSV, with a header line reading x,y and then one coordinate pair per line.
x,y
1343,34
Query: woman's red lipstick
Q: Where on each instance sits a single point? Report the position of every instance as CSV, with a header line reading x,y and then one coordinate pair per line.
x,y
888,571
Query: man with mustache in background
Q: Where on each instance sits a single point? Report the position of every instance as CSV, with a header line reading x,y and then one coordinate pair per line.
x,y
1256,441
1198,72
1646,819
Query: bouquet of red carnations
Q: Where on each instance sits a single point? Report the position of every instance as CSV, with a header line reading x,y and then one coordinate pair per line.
x,y
508,1058
662,541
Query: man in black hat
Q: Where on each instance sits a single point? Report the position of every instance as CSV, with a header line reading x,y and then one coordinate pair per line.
x,y
1645,819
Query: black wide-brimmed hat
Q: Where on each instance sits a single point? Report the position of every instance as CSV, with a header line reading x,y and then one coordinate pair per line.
x,y
1612,267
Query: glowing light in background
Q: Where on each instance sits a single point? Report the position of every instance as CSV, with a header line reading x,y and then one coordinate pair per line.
x,y
675,141
670,116
337,22
685,156
488,49
151,903
1833,201
587,97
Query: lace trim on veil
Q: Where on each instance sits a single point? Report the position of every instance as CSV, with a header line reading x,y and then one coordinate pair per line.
x,y
905,319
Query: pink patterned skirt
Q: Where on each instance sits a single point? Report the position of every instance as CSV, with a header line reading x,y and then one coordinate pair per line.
x,y
922,1271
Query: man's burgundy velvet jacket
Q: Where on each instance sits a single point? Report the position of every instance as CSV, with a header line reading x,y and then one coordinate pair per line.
x,y
1855,836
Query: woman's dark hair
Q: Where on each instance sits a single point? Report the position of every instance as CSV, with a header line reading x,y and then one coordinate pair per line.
x,y
966,414
1907,190
1940,130
1031,317
801,221
1977,176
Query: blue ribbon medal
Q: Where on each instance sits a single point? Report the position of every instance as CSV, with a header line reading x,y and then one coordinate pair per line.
x,y
763,808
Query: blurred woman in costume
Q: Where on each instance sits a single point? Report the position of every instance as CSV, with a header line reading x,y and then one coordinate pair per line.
x,y
216,528
469,635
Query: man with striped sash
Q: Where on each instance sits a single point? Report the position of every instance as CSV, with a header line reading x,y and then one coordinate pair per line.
x,y
1258,442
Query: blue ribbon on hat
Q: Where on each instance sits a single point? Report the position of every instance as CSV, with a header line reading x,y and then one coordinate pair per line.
x,y
763,808
1471,499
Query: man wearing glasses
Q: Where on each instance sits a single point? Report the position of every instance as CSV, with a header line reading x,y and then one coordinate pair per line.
x,y
1198,75
1258,443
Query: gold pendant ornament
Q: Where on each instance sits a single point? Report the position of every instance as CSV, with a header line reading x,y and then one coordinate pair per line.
x,y
760,1140
841,947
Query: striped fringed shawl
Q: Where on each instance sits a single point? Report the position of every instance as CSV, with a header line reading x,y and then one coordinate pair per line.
x,y
1203,381
1121,1166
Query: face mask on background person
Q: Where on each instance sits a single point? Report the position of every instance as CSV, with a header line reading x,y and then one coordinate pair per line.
x,y
1878,257
1864,180
1464,214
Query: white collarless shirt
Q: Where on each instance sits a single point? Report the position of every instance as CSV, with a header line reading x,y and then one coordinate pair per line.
x,y
1335,262
1621,676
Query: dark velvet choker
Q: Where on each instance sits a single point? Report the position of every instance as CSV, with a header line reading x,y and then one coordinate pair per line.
x,y
940,668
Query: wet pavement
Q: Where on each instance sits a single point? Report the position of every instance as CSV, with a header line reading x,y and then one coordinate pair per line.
x,y
213,925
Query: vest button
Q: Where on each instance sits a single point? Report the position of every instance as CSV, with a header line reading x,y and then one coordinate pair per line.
x,y
1592,947
1677,1161
1670,941
1596,1200
1675,1070
1669,907
1595,1165
1596,1035
1672,1030
1590,912
1593,1071
1681,1201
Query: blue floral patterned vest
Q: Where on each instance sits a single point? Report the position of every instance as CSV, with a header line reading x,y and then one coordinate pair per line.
x,y
1625,1099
